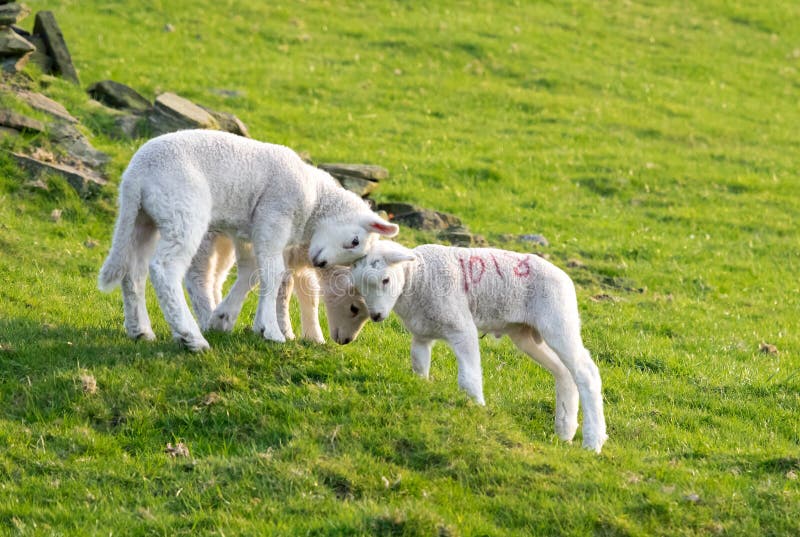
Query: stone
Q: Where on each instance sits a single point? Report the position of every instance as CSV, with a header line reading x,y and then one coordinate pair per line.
x,y
12,13
128,126
85,182
14,65
173,113
47,105
229,122
370,172
13,44
39,56
405,214
16,121
119,96
77,145
45,25
535,238
461,236
359,186
359,178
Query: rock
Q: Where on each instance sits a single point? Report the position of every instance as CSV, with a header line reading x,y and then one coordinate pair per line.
x,y
119,96
14,65
12,44
767,348
17,121
128,126
535,238
370,172
39,56
55,215
47,105
46,26
77,146
405,214
229,93
85,182
359,178
12,13
173,113
228,122
359,186
461,236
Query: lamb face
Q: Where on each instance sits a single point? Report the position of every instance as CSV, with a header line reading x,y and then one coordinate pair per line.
x,y
380,277
342,242
347,311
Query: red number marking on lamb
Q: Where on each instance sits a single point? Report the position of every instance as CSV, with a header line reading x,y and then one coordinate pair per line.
x,y
472,269
497,266
476,262
519,271
464,273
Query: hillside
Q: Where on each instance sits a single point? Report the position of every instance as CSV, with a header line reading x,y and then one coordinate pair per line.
x,y
653,146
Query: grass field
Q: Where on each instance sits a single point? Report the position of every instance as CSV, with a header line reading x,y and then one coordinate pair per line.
x,y
654,142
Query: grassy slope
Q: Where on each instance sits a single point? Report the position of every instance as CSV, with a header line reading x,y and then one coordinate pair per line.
x,y
657,145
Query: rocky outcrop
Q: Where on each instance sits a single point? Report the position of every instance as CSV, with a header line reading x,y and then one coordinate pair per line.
x,y
85,182
359,178
19,122
15,50
119,96
172,112
46,27
406,214
46,105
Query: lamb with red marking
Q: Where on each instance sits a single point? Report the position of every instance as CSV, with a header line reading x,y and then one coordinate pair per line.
x,y
453,294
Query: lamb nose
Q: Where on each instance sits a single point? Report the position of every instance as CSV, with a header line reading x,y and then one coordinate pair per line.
x,y
320,264
376,317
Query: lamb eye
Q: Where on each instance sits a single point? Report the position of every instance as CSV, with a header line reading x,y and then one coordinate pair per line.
x,y
385,281
353,309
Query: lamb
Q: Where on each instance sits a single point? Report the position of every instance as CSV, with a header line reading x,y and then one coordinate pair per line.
x,y
347,312
453,293
180,185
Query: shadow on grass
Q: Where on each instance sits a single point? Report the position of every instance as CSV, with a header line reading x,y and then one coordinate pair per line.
x,y
142,393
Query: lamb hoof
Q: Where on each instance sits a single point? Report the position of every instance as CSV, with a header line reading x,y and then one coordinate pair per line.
x,y
566,430
221,321
270,335
144,335
288,334
193,343
594,444
315,338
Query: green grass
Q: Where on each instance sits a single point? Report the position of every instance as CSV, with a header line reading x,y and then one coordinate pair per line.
x,y
656,143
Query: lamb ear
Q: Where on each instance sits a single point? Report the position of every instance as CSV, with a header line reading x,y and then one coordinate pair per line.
x,y
376,224
398,254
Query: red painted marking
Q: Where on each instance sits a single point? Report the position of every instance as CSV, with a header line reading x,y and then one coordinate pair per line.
x,y
523,273
474,262
497,266
464,272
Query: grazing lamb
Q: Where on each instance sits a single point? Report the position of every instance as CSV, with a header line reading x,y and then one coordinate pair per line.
x,y
347,312
453,293
180,185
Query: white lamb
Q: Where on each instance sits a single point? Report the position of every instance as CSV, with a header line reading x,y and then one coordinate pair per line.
x,y
452,293
180,185
346,310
